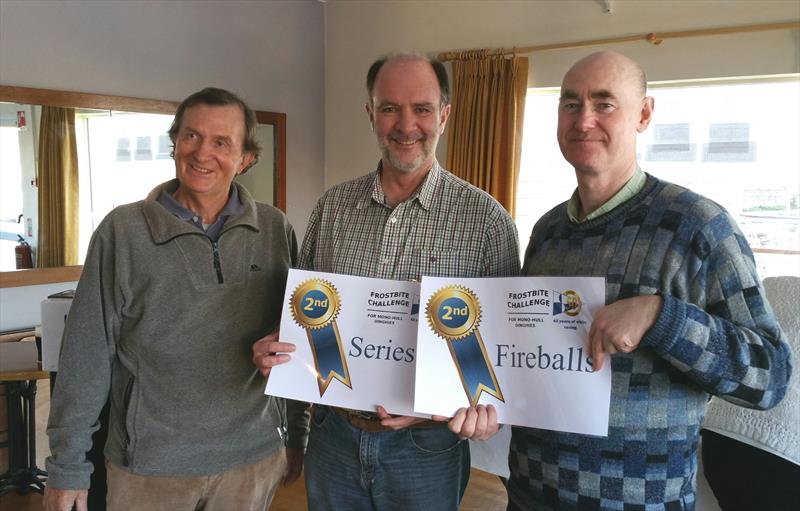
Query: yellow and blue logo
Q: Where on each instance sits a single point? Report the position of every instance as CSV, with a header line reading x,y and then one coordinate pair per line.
x,y
566,302
454,314
314,305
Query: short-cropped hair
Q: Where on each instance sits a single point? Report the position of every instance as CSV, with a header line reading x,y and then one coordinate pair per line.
x,y
438,69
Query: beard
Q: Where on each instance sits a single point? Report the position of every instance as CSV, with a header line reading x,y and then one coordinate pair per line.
x,y
428,147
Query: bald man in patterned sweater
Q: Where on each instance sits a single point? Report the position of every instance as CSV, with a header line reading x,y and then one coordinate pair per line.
x,y
686,315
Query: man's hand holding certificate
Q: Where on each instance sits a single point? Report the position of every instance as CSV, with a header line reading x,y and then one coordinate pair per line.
x,y
518,344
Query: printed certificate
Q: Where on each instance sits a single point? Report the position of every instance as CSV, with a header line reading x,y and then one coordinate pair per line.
x,y
516,343
355,339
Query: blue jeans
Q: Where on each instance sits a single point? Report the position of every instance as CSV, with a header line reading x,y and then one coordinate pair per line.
x,y
414,469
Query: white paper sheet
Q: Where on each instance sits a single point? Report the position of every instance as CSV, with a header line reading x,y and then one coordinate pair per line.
x,y
376,321
516,343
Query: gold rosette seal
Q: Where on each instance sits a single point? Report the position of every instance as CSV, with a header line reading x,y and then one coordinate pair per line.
x,y
454,314
315,303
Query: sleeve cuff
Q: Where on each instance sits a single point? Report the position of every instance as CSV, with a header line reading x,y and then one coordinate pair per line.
x,y
66,480
666,331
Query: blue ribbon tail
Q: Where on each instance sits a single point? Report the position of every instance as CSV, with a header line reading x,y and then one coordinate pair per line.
x,y
474,367
329,356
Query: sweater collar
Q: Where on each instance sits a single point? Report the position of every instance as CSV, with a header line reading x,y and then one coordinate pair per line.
x,y
632,187
165,226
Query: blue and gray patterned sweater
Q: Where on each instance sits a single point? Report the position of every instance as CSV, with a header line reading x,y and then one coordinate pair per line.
x,y
716,334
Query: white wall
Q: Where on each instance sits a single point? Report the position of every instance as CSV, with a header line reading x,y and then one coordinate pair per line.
x,y
272,53
20,307
358,32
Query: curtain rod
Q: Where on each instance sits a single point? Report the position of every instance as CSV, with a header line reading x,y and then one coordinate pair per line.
x,y
652,37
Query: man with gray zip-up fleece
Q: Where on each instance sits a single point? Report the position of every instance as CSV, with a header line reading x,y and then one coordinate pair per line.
x,y
174,291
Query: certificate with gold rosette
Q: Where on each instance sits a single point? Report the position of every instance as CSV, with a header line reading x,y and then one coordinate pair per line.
x,y
516,343
355,340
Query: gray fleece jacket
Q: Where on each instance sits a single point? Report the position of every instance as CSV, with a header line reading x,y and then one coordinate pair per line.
x,y
162,323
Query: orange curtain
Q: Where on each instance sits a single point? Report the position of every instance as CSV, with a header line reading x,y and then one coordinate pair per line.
x,y
58,189
485,138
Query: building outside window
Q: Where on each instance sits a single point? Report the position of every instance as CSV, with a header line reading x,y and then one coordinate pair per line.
x,y
671,142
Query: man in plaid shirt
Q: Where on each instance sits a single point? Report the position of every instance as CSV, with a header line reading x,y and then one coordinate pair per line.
x,y
408,218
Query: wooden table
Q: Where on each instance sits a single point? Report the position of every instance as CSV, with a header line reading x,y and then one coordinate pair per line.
x,y
23,475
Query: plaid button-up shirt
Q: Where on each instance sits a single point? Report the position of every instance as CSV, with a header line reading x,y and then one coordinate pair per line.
x,y
448,228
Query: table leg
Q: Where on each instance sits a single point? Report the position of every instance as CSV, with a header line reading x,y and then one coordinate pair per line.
x,y
23,475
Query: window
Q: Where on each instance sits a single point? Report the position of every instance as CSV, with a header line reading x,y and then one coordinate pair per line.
x,y
725,139
116,165
11,177
10,196
115,153
17,181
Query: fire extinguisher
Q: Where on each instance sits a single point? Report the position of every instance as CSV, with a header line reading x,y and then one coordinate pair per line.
x,y
23,254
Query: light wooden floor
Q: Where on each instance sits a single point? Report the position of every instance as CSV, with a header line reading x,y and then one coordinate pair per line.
x,y
485,492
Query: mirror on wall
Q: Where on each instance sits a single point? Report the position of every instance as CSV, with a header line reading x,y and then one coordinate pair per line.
x,y
116,151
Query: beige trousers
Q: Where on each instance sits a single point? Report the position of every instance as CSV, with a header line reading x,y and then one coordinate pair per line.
x,y
244,488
